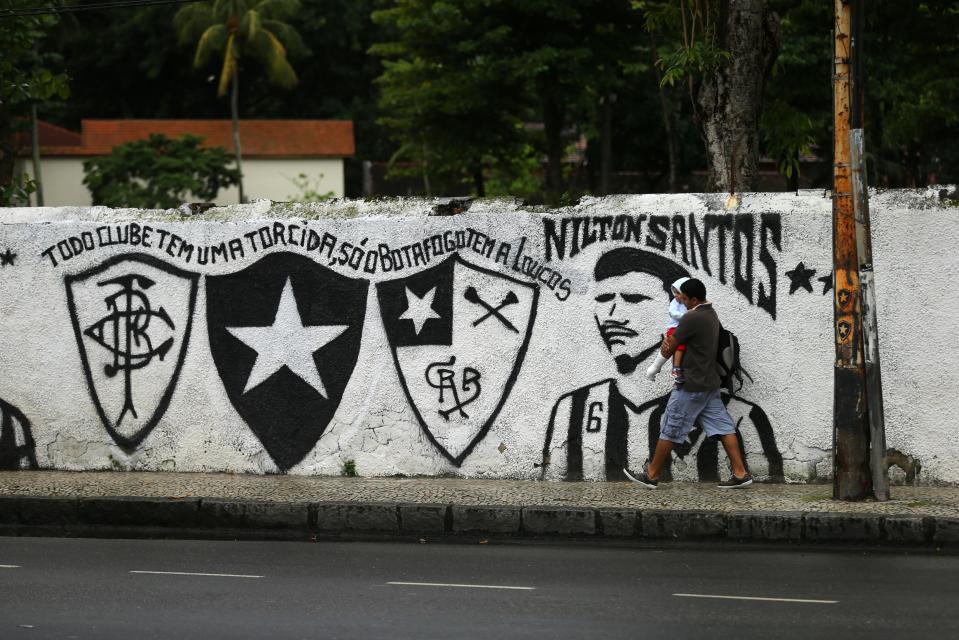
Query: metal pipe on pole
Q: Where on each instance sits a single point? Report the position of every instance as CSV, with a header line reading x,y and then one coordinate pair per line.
x,y
852,479
870,325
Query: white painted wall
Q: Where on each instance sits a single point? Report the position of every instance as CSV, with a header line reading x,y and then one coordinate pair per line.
x,y
208,424
265,178
62,181
272,179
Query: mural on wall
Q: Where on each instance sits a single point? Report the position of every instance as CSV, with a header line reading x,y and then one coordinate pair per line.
x,y
589,430
17,448
458,334
132,316
490,344
285,335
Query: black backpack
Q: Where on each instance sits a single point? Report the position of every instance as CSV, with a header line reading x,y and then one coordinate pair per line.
x,y
727,359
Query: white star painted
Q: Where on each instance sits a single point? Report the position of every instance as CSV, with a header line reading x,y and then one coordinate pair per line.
x,y
418,309
287,343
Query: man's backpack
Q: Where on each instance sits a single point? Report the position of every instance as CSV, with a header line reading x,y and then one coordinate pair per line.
x,y
727,359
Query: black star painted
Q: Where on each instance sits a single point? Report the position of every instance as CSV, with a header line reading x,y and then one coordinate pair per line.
x,y
799,277
826,283
7,258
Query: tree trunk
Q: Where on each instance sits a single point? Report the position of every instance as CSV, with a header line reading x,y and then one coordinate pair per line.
x,y
672,138
730,98
553,124
235,113
6,145
479,183
35,153
606,144
669,120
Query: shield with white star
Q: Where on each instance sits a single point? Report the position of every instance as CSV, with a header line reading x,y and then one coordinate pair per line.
x,y
458,333
285,334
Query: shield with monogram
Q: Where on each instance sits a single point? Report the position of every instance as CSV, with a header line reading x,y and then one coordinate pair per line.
x,y
132,316
458,333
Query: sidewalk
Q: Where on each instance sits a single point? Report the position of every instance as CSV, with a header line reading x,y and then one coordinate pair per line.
x,y
306,507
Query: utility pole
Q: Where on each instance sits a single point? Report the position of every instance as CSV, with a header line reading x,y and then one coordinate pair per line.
x,y
851,474
860,202
35,153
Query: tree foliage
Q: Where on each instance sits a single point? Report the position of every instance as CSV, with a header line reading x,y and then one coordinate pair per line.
x,y
159,173
461,78
25,72
452,101
28,75
237,29
513,87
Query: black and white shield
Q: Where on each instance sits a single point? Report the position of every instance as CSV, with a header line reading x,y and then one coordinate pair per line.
x,y
458,333
285,335
132,317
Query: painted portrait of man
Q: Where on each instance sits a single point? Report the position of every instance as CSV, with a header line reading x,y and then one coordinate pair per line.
x,y
597,430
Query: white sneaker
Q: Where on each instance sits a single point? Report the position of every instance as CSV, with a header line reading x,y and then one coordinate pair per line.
x,y
652,372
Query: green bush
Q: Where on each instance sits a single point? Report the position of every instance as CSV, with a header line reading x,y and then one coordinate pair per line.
x,y
159,172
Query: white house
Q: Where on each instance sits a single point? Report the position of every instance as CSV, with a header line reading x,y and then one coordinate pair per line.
x,y
275,154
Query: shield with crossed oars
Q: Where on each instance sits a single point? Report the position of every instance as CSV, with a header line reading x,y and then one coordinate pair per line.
x,y
458,333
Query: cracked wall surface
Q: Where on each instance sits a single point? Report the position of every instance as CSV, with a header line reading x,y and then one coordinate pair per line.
x,y
452,338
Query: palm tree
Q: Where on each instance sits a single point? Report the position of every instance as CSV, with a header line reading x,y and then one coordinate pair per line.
x,y
238,29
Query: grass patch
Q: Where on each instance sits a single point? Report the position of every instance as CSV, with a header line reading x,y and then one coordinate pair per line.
x,y
349,468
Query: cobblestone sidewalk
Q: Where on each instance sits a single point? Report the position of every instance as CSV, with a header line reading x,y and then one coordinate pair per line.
x,y
927,501
687,509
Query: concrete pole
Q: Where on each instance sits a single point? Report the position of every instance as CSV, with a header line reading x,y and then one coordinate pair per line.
x,y
851,475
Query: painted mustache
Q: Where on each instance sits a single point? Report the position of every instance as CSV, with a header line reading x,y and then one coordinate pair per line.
x,y
613,331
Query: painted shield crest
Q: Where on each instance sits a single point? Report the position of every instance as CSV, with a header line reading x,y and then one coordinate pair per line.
x,y
459,334
285,335
132,317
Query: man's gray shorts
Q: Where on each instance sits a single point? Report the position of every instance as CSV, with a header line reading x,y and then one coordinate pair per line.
x,y
685,408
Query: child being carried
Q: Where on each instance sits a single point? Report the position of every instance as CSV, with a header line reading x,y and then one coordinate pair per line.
x,y
676,310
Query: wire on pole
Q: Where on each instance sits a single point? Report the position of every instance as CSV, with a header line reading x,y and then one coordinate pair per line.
x,y
96,6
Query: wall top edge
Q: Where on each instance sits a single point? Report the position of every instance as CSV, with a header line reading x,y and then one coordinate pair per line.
x,y
808,200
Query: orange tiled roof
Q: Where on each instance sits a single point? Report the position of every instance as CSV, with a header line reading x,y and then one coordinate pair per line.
x,y
50,136
258,138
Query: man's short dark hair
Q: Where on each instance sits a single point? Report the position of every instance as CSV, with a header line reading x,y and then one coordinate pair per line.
x,y
694,288
619,262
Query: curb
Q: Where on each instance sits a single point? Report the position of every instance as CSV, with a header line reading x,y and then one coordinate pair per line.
x,y
219,518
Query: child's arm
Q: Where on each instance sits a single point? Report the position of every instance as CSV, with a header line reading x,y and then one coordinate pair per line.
x,y
668,347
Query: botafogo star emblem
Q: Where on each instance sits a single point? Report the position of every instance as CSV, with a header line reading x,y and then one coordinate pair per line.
x,y
287,343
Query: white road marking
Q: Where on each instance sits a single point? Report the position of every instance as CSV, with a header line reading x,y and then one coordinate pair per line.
x,y
463,586
189,573
9,566
704,595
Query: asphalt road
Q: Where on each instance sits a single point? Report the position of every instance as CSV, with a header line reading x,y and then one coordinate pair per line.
x,y
142,589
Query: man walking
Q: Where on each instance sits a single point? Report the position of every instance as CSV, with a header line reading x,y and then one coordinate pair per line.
x,y
698,397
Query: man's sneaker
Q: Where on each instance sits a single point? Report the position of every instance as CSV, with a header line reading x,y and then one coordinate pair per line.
x,y
736,483
641,478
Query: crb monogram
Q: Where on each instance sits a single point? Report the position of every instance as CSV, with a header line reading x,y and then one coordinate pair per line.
x,y
125,332
133,351
442,376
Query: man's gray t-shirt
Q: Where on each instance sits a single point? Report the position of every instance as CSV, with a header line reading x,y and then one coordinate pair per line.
x,y
699,331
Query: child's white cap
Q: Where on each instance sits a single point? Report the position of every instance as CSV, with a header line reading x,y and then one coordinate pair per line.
x,y
679,284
